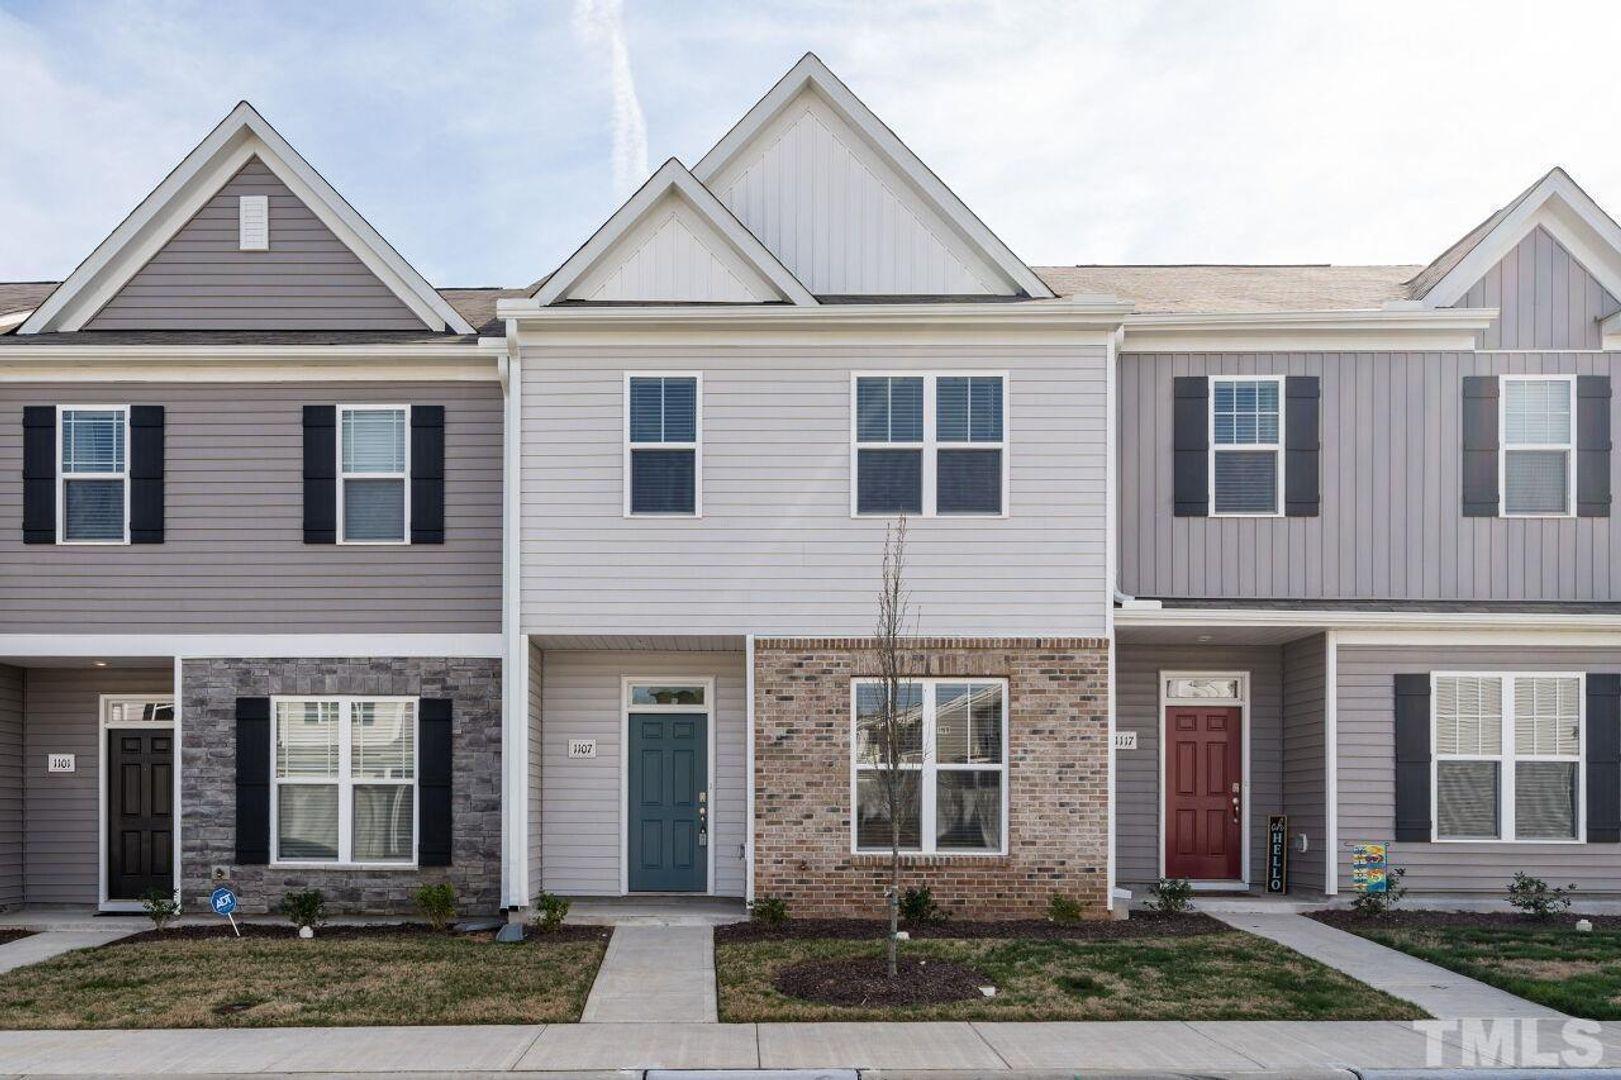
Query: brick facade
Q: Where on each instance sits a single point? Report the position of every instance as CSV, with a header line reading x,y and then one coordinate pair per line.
x,y
1058,777
208,779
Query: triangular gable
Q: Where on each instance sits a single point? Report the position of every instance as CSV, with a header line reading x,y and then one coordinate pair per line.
x,y
239,139
672,242
880,222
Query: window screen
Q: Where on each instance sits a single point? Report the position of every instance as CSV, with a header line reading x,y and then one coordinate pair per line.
x,y
663,447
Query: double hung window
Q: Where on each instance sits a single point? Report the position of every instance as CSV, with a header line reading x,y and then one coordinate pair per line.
x,y
929,445
662,444
93,482
345,780
1246,446
1539,449
374,470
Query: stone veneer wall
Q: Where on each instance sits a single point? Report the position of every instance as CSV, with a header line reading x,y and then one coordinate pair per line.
x,y
209,691
1058,756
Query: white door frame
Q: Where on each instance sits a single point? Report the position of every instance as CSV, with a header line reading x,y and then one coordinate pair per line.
x,y
1242,704
104,725
626,683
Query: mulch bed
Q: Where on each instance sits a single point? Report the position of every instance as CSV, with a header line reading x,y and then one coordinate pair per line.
x,y
378,931
866,981
10,934
1442,920
1142,924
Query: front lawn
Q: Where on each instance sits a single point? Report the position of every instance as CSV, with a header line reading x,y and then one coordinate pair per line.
x,y
1172,969
269,978
1546,961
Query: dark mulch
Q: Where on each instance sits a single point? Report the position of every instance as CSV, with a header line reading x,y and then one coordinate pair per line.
x,y
1441,920
13,933
865,981
1142,924
372,932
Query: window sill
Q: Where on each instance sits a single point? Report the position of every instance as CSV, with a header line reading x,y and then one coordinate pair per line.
x,y
919,858
1510,843
285,865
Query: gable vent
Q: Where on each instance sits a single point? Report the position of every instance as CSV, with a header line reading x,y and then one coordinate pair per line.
x,y
253,223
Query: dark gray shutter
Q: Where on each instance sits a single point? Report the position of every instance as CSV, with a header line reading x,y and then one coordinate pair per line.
x,y
434,747
320,474
1603,759
1302,483
146,474
1190,444
1593,446
427,474
252,781
39,474
1413,758
1480,446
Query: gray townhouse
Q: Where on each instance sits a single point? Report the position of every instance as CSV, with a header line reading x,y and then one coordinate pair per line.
x,y
315,575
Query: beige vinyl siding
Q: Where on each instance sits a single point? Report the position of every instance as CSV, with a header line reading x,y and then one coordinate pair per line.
x,y
233,557
1366,720
776,550
11,786
1304,763
537,768
1546,299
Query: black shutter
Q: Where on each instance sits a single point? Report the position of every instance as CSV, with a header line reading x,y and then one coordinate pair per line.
x,y
1603,759
146,474
1480,445
252,781
427,474
1413,758
1593,446
320,474
39,474
1190,444
434,745
1302,485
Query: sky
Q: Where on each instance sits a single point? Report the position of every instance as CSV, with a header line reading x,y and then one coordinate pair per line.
x,y
486,139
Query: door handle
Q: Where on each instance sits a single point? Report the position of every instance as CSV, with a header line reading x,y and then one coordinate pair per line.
x,y
1237,816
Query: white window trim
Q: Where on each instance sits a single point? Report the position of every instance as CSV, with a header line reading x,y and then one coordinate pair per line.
x,y
1569,447
627,686
930,444
404,477
1242,703
1276,448
696,445
62,476
104,711
930,768
1506,759
345,783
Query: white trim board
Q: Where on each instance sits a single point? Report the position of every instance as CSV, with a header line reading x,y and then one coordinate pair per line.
x,y
626,682
231,646
103,901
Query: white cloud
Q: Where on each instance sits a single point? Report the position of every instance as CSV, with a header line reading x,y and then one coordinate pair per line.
x,y
601,24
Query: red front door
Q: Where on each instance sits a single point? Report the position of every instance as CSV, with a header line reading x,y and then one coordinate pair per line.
x,y
1204,838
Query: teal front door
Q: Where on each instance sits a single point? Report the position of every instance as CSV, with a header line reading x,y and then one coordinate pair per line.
x,y
669,802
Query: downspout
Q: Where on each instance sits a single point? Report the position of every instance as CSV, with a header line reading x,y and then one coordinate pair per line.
x,y
1331,764
748,771
1111,576
514,646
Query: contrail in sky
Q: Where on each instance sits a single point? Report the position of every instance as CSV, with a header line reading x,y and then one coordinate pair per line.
x,y
601,24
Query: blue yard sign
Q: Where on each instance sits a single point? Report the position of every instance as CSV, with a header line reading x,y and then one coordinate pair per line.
x,y
223,901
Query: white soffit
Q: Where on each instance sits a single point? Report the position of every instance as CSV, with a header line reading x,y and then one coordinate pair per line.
x,y
242,135
846,205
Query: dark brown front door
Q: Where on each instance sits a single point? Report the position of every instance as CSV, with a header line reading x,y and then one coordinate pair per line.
x,y
140,812
1204,773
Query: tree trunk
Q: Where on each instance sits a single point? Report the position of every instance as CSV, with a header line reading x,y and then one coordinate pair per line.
x,y
894,881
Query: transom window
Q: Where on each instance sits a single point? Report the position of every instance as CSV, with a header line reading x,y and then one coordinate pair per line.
x,y
1539,450
1508,757
345,780
661,444
93,483
1246,443
929,445
953,764
374,470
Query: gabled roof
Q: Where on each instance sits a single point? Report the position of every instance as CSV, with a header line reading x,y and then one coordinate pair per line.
x,y
673,198
1218,288
242,135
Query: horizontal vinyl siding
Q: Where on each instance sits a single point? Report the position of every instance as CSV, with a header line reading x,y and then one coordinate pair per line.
x,y
777,550
1367,772
1546,299
1304,775
11,786
1391,525
233,557
582,841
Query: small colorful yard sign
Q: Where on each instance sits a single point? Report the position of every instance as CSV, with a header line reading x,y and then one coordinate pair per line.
x,y
1369,866
223,901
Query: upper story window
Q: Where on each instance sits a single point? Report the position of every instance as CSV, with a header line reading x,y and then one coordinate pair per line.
x,y
662,440
1246,443
1539,449
345,780
374,468
929,445
93,484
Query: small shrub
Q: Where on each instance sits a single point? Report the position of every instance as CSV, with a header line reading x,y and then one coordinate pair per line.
x,y
550,911
918,907
769,910
1536,898
306,907
1377,903
160,907
1065,909
1171,895
437,903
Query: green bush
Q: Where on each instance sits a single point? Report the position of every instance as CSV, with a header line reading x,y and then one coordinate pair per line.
x,y
550,911
769,910
160,907
437,903
917,907
306,907
1536,898
1065,909
1377,903
1171,895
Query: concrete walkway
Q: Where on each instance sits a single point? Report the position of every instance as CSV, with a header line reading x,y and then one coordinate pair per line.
x,y
655,974
1443,994
52,943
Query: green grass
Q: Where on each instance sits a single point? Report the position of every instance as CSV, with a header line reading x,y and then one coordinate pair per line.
x,y
1220,976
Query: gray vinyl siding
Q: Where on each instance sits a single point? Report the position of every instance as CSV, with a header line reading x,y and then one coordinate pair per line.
x,y
308,280
1546,299
234,558
1391,525
1304,763
62,810
11,786
776,550
537,768
582,841
1365,718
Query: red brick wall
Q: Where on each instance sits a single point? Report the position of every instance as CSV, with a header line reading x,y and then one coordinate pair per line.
x,y
1058,778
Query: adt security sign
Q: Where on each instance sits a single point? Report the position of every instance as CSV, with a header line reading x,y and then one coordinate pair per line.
x,y
223,901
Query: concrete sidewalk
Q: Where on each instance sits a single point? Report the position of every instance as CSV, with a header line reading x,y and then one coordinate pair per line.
x,y
53,943
655,974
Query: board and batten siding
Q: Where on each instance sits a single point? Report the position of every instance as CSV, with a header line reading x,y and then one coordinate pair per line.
x,y
1367,790
1545,299
537,767
776,550
1305,776
307,280
11,786
233,557
582,838
1392,525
